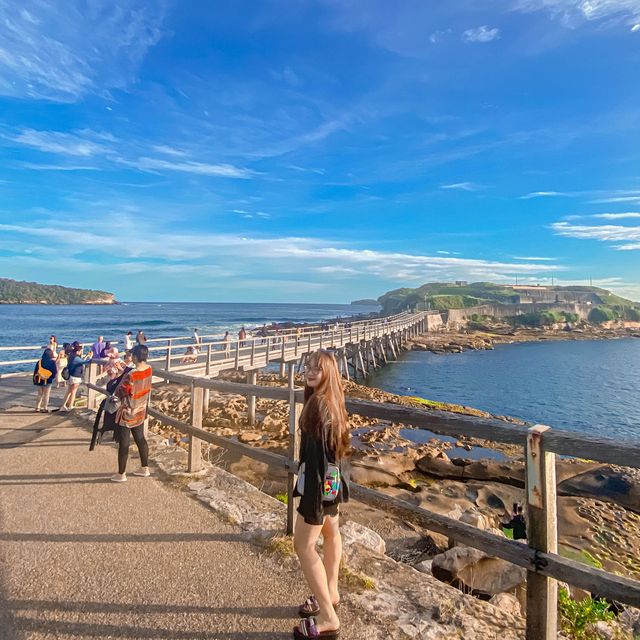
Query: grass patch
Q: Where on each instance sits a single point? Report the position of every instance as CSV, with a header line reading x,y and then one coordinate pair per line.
x,y
508,533
580,556
283,497
282,545
575,617
355,579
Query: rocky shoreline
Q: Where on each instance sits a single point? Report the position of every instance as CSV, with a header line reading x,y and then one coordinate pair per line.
x,y
486,338
598,505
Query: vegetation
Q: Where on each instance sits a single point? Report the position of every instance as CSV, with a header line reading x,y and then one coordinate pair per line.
x,y
576,617
598,315
544,318
283,497
15,292
369,302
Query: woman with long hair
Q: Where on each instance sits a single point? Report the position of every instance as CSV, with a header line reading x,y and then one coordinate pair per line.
x,y
324,444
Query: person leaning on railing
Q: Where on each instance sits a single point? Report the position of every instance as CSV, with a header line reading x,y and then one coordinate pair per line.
x,y
324,443
133,392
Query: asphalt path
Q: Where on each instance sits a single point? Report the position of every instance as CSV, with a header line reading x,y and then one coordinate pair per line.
x,y
84,558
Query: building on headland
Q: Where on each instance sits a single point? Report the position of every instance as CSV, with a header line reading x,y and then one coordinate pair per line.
x,y
531,294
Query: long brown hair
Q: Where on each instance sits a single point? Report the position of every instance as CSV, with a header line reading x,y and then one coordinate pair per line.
x,y
330,397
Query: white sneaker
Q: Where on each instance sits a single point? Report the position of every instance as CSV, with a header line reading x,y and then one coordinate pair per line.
x,y
142,472
119,477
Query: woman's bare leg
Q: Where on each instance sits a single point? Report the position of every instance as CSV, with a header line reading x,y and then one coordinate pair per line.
x,y
332,554
304,542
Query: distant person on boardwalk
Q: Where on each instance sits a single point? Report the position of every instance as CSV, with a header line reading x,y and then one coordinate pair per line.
x,y
44,374
518,524
190,355
242,336
128,341
141,338
53,345
226,340
97,348
324,444
197,340
133,392
76,368
61,362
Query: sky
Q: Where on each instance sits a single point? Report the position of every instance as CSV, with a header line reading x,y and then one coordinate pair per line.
x,y
318,150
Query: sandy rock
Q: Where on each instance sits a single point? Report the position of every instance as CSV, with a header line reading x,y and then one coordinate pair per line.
x,y
250,436
352,532
473,570
424,566
507,603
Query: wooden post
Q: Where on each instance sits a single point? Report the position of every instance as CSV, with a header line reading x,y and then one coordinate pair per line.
x,y
167,364
309,343
283,368
268,349
542,535
293,444
253,351
92,378
361,361
345,364
237,363
252,378
195,444
207,370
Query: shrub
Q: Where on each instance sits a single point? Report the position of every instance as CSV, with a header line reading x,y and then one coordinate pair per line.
x,y
575,617
631,313
570,317
598,315
538,319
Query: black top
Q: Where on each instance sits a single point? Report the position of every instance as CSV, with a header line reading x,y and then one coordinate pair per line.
x,y
316,456
519,526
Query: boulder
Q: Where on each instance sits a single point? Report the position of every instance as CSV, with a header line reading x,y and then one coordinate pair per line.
x,y
249,436
475,572
424,566
507,603
352,532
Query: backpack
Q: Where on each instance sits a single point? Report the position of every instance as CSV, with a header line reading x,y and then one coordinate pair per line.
x,y
65,373
41,375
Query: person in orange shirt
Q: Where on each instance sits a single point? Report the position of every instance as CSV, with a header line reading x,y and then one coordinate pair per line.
x,y
133,391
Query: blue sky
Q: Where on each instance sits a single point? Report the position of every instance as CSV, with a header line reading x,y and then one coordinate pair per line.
x,y
318,151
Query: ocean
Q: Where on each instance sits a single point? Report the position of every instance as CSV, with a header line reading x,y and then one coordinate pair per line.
x,y
585,386
590,386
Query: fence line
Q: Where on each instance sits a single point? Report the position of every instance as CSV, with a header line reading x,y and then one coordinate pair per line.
x,y
540,558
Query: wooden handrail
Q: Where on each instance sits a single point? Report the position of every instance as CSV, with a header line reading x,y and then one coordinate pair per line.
x,y
544,566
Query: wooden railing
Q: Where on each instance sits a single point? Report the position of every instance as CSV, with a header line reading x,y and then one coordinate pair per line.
x,y
256,351
541,443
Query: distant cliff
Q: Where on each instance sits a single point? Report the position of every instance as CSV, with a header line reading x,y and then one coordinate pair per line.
x,y
366,302
17,292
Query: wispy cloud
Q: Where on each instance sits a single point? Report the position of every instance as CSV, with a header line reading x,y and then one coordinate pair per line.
x,y
545,194
633,199
481,34
197,168
616,216
629,236
535,258
62,51
573,12
59,143
463,186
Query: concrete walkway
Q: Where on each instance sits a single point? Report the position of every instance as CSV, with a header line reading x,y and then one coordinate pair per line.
x,y
84,558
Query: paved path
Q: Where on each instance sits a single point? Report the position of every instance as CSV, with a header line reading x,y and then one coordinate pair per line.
x,y
84,558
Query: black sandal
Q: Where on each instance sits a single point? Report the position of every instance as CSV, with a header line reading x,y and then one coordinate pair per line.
x,y
307,629
310,607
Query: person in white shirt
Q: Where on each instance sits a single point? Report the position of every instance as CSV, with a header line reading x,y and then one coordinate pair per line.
x,y
128,341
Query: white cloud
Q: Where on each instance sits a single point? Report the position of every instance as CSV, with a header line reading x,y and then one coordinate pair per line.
x,y
167,150
635,199
635,28
59,142
463,186
61,51
603,233
481,34
534,258
189,166
544,194
617,216
283,255
573,12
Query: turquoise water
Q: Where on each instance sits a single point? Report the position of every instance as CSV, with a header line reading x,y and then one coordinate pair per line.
x,y
587,386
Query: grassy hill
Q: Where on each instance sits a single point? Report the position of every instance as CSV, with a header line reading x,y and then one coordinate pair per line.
x,y
17,292
443,296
